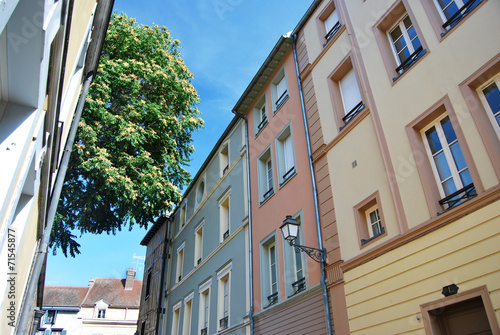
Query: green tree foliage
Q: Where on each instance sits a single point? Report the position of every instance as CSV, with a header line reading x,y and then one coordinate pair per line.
x,y
134,136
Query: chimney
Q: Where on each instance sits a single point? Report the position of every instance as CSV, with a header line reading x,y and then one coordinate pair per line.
x,y
129,281
91,282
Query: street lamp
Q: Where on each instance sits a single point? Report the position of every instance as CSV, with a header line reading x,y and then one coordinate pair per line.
x,y
290,231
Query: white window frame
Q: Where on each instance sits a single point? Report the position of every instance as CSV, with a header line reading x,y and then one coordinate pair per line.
x,y
405,36
224,215
198,244
180,262
204,306
440,10
349,91
279,89
261,117
224,291
455,174
268,286
265,173
285,155
491,114
183,214
176,317
200,191
372,224
224,159
331,21
294,262
188,311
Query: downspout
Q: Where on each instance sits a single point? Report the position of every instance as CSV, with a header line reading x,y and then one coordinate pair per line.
x,y
54,200
315,192
250,257
159,311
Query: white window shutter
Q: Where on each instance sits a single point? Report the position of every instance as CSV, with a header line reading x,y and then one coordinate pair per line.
x,y
350,91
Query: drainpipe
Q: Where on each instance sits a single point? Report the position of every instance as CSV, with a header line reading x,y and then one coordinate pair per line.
x,y
315,193
250,257
54,200
166,242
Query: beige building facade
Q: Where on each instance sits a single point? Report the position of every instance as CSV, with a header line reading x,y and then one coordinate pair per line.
x,y
402,101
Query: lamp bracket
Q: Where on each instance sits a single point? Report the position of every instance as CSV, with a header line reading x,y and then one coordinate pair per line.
x,y
319,255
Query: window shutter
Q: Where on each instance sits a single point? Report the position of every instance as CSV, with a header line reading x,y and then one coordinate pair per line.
x,y
280,87
288,150
350,91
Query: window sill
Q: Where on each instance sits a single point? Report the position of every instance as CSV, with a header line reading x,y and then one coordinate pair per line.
x,y
365,241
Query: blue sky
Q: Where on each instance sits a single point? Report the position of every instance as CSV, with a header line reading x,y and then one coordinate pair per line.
x,y
224,43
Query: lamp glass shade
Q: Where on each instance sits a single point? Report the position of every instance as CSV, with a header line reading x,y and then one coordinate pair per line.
x,y
289,229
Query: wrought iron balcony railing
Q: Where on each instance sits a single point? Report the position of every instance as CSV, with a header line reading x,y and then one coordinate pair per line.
x,y
352,113
288,175
460,14
458,197
262,124
409,61
366,240
267,194
281,100
332,32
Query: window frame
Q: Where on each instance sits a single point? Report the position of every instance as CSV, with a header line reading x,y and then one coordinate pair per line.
x,y
436,17
198,243
327,37
176,317
267,292
422,163
224,204
448,155
342,117
396,13
188,312
492,117
260,122
479,114
363,226
264,161
223,304
204,305
294,284
179,265
279,98
200,191
224,159
285,172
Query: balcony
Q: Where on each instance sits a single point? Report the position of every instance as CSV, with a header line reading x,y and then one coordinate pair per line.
x,y
273,298
332,32
298,286
281,101
352,113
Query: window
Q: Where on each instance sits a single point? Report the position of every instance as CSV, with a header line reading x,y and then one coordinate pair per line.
x,y
452,11
490,97
448,162
295,280
148,285
369,219
405,44
200,191
224,159
329,23
204,312
224,216
443,159
399,39
481,97
351,96
265,175
176,318
183,214
285,156
188,304
223,277
260,115
198,244
180,261
279,90
469,312
101,314
269,272
50,317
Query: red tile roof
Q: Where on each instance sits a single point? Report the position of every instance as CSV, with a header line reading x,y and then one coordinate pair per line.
x,y
64,296
111,290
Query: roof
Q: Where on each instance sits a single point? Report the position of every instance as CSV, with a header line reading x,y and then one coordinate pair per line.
x,y
152,231
64,296
112,291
